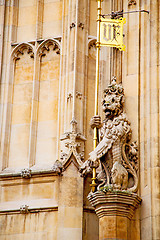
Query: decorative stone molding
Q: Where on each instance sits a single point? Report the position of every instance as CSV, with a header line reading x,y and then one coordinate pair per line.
x,y
118,157
78,95
57,167
92,43
72,25
24,209
81,154
69,96
92,48
63,155
39,41
114,203
81,25
30,210
26,173
72,142
20,49
132,2
48,45
53,170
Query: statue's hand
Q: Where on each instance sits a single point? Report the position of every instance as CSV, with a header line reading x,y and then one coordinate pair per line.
x,y
95,122
93,156
88,166
93,164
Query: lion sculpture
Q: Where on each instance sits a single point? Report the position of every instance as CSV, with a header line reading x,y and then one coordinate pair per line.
x,y
118,157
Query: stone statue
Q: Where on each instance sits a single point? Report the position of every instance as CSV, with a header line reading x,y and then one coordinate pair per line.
x,y
118,157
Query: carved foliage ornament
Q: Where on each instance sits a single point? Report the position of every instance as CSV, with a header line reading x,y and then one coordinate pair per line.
x,y
118,156
73,142
26,173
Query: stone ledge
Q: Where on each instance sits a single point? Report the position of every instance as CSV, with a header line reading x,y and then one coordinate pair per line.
x,y
114,204
37,173
30,210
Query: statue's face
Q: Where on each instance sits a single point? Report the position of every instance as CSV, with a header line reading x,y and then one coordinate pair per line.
x,y
112,104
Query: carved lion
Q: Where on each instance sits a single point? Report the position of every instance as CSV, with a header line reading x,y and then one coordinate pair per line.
x,y
119,176
113,100
118,161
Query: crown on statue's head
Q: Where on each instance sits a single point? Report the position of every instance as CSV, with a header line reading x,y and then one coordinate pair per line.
x,y
114,88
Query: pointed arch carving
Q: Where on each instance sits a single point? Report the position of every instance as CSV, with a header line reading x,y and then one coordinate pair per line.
x,y
48,68
19,50
47,45
92,43
72,145
75,160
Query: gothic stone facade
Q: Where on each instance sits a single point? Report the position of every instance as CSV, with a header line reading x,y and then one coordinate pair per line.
x,y
47,84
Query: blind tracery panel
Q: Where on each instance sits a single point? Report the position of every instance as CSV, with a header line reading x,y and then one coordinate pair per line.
x,y
48,103
32,116
21,107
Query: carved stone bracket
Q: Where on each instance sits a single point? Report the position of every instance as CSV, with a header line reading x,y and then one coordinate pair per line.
x,y
114,203
57,167
24,209
115,210
26,173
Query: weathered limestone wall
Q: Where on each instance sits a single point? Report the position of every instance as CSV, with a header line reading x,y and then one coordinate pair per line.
x,y
31,226
40,194
47,77
44,72
70,205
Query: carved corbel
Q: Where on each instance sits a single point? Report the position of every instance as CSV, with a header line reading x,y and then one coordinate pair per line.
x,y
57,167
26,173
24,209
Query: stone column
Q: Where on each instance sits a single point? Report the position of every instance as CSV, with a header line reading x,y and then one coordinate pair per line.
x,y
70,206
115,211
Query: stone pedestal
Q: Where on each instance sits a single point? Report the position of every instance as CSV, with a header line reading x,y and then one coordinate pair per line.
x,y
115,211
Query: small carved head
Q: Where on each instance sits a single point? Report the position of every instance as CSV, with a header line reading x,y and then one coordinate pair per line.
x,y
26,173
113,99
